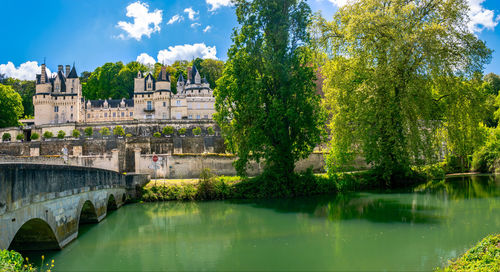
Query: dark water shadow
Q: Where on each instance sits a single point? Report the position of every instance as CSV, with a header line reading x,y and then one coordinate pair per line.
x,y
352,206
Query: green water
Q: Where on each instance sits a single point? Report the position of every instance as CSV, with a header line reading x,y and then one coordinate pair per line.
x,y
352,232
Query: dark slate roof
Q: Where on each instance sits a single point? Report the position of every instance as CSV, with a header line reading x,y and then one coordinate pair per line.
x,y
39,77
163,76
181,78
146,81
62,78
193,73
204,80
73,73
112,103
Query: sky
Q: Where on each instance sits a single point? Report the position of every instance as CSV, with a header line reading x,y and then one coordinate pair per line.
x,y
92,32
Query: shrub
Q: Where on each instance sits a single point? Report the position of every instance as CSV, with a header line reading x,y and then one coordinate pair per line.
x,y
48,134
20,137
61,134
89,131
76,133
487,156
210,131
6,137
34,136
197,131
182,131
10,261
128,135
105,131
168,130
119,131
157,134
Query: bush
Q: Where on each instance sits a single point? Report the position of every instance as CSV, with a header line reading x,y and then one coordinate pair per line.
x,y
210,131
20,137
89,131
76,133
61,134
105,131
197,131
157,134
6,137
485,159
182,131
119,131
10,261
168,130
34,136
128,135
48,134
485,256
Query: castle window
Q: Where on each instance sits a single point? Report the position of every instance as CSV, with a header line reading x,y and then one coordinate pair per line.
x,y
56,108
105,114
206,116
72,116
114,114
150,85
123,114
178,115
178,103
71,107
164,104
197,116
88,115
164,116
189,105
149,105
190,116
131,113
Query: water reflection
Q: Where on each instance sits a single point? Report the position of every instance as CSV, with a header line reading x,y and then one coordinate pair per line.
x,y
463,187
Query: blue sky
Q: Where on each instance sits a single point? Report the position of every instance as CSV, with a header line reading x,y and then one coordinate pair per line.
x,y
91,33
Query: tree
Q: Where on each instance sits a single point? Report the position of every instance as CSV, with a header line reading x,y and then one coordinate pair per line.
x,y
494,81
61,134
157,134
182,131
11,108
266,103
104,131
391,63
76,133
119,131
89,131
20,137
197,131
48,134
34,136
168,130
6,137
26,89
212,70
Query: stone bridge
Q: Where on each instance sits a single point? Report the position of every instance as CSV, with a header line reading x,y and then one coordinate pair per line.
x,y
42,206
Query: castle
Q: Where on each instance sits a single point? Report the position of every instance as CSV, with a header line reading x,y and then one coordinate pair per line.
x,y
59,99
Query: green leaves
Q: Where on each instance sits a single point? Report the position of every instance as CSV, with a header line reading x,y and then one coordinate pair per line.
x,y
12,107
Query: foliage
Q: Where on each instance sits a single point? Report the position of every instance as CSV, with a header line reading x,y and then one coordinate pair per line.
x,y
128,135
182,131
494,82
210,131
486,158
484,256
34,136
61,134
6,136
397,73
266,103
12,107
432,171
76,133
26,89
211,69
89,131
119,131
157,134
48,134
168,130
197,131
10,261
20,137
104,131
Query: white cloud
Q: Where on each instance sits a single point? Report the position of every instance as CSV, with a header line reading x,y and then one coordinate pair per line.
x,y
481,18
146,59
191,13
25,71
339,3
195,25
186,52
206,29
174,19
142,21
215,4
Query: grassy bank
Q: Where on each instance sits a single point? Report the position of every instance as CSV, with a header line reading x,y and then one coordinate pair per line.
x,y
211,187
484,256
12,261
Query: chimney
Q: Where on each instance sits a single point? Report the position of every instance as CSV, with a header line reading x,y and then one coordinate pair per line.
x,y
43,79
163,73
67,70
189,74
59,68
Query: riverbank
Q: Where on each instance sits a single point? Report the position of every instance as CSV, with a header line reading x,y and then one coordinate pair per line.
x,y
484,256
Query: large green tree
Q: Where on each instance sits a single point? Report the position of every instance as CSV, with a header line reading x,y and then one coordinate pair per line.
x,y
391,63
26,89
266,103
211,69
12,107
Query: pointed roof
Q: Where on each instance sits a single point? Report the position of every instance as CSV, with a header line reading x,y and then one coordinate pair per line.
x,y
181,78
62,79
73,73
194,72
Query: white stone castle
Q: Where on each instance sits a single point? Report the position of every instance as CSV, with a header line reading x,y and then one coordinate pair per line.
x,y
59,99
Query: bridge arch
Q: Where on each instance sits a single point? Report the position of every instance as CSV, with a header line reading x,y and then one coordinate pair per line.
x,y
88,213
34,234
111,204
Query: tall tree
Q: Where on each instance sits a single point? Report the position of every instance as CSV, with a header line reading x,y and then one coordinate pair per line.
x,y
266,103
391,63
212,70
26,89
12,107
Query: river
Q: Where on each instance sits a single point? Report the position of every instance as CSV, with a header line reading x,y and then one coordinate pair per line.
x,y
397,231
